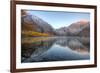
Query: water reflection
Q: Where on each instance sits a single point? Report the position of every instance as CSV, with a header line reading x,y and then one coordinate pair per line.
x,y
42,49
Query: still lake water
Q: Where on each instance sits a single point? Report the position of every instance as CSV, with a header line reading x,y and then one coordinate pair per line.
x,y
44,49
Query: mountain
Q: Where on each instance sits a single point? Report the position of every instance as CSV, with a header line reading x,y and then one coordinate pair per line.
x,y
85,30
34,23
61,31
76,29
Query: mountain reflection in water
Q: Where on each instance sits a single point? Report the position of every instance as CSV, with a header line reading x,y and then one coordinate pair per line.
x,y
43,49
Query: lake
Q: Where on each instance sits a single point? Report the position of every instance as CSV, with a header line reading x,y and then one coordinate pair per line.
x,y
47,49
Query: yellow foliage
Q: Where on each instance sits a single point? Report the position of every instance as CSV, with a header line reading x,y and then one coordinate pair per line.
x,y
33,33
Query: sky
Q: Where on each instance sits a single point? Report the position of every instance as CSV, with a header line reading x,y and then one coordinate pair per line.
x,y
58,19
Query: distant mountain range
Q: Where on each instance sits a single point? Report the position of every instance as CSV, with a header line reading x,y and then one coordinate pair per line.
x,y
35,24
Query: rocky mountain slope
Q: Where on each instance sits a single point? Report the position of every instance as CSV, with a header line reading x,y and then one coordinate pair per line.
x,y
34,23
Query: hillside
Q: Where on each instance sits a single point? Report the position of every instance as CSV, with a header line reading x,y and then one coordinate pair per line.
x,y
35,24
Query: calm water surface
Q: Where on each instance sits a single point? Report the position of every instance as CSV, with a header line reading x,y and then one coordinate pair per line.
x,y
43,49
